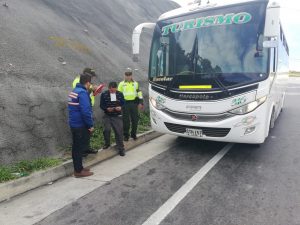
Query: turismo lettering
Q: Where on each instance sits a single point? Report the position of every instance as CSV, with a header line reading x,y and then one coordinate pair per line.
x,y
217,20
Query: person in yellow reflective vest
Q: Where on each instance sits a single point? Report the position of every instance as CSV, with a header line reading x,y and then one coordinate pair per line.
x,y
92,73
133,101
77,78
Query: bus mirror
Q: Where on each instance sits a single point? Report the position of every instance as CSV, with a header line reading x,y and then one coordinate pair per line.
x,y
272,23
270,44
136,38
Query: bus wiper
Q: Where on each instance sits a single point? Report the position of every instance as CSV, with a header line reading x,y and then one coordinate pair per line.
x,y
217,80
170,85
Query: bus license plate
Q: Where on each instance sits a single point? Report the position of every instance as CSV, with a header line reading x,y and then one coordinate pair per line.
x,y
193,132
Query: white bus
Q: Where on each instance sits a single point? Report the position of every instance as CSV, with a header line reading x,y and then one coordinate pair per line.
x,y
217,71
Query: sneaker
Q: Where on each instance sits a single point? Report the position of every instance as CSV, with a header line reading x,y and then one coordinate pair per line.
x,y
105,146
86,169
91,151
83,173
122,153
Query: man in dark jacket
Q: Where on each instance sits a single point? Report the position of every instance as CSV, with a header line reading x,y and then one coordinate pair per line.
x,y
111,103
81,123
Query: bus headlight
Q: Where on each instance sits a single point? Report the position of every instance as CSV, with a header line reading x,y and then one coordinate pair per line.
x,y
156,104
249,107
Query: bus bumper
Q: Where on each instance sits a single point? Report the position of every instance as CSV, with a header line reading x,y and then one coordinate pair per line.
x,y
249,128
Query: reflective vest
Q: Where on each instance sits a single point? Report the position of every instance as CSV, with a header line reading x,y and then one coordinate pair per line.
x,y
77,81
130,90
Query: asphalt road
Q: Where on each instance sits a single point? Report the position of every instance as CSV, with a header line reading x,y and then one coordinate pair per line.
x,y
250,185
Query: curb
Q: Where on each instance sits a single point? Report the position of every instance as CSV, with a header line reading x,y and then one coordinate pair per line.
x,y
40,178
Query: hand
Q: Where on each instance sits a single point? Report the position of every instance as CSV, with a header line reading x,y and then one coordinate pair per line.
x,y
91,129
118,108
109,109
141,107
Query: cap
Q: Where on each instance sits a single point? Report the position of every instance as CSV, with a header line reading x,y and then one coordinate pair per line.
x,y
128,71
89,71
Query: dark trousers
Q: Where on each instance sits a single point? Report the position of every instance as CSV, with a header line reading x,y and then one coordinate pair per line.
x,y
88,142
115,123
80,144
130,114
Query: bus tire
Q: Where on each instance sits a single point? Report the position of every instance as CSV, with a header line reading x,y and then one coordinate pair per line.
x,y
272,120
282,102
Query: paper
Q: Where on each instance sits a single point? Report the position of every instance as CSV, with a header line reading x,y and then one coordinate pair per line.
x,y
113,97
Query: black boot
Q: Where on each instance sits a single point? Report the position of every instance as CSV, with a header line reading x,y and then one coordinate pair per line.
x,y
91,151
134,137
106,146
122,152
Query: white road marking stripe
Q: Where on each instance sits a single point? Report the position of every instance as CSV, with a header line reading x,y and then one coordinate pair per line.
x,y
158,216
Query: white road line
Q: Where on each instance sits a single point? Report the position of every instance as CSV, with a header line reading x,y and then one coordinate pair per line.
x,y
158,216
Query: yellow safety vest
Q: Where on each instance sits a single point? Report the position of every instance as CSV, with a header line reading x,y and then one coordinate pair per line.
x,y
76,81
130,90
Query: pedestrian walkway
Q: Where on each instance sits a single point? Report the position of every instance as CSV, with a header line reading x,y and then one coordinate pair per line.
x,y
37,204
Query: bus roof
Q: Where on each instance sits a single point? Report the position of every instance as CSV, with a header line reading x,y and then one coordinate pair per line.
x,y
203,7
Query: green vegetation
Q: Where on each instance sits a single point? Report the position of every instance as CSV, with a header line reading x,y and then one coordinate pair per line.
x,y
97,140
294,74
25,167
144,122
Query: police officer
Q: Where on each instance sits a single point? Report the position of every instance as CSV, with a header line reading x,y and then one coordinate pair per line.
x,y
91,73
133,101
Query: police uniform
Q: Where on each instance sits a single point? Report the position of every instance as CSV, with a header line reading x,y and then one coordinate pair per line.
x,y
133,97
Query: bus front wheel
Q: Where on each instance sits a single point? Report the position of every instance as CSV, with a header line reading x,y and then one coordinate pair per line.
x,y
272,120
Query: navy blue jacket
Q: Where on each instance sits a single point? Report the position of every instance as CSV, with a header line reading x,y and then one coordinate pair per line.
x,y
105,102
80,108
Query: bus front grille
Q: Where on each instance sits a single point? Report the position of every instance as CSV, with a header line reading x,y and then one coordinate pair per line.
x,y
199,117
207,131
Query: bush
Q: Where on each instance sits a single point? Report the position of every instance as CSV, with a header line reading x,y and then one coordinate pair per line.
x,y
97,139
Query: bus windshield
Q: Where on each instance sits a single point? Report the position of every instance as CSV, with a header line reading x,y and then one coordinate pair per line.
x,y
223,44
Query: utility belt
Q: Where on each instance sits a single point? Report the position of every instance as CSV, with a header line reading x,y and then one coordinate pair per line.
x,y
136,100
